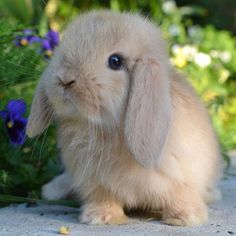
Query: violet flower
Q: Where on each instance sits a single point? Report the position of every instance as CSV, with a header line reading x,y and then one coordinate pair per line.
x,y
50,41
28,37
14,121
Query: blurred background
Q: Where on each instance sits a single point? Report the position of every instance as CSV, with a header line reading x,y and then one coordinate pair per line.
x,y
201,36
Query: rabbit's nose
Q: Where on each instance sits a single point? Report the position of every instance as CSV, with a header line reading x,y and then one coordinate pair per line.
x,y
66,84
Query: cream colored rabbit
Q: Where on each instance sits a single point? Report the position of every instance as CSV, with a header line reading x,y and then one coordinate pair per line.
x,y
131,131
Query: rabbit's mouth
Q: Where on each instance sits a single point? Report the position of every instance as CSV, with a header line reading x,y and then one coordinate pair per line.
x,y
91,110
78,103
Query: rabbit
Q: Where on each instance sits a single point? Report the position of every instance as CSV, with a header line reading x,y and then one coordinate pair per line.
x,y
131,131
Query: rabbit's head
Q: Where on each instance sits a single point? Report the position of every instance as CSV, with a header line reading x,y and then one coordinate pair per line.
x,y
110,69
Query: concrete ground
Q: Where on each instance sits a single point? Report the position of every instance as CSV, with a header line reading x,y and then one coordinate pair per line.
x,y
46,220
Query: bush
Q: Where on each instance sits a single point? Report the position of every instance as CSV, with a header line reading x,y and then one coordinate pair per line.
x,y
25,168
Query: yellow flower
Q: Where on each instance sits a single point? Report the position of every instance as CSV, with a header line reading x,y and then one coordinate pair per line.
x,y
51,8
223,115
64,230
209,95
179,60
223,75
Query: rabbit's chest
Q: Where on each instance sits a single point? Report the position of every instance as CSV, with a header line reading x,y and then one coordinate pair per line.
x,y
133,185
113,167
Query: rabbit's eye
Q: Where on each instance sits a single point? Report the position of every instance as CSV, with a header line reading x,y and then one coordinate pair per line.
x,y
115,62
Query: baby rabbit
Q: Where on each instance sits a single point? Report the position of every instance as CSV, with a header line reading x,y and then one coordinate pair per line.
x,y
131,131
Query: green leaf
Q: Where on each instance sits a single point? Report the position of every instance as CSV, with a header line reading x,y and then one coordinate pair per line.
x,y
5,198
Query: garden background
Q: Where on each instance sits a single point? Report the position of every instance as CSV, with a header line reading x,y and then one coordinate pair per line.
x,y
201,36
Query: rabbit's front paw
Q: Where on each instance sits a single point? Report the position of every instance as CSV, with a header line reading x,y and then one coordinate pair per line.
x,y
58,188
100,214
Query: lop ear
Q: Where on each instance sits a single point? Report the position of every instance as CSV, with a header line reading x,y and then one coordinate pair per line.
x,y
40,114
148,112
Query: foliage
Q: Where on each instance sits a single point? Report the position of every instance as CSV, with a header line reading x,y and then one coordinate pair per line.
x,y
22,169
207,56
217,12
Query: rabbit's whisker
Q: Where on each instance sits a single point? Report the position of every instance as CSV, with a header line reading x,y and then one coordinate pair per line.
x,y
35,144
90,147
44,137
102,148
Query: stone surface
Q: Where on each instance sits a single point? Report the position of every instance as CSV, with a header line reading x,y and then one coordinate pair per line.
x,y
46,220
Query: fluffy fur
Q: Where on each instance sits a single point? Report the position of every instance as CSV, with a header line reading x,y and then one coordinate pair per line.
x,y
134,138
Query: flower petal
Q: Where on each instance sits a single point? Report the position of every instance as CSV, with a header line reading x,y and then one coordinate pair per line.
x,y
53,37
28,32
33,39
16,107
46,45
17,133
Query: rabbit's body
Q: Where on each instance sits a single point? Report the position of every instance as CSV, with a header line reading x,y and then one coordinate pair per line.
x,y
171,164
99,161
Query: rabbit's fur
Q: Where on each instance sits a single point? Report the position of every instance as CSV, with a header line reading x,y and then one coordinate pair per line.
x,y
133,138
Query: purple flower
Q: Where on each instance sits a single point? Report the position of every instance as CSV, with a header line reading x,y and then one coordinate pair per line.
x,y
50,41
28,37
53,38
14,121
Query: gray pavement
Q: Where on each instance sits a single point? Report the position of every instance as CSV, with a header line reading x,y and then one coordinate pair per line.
x,y
46,220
